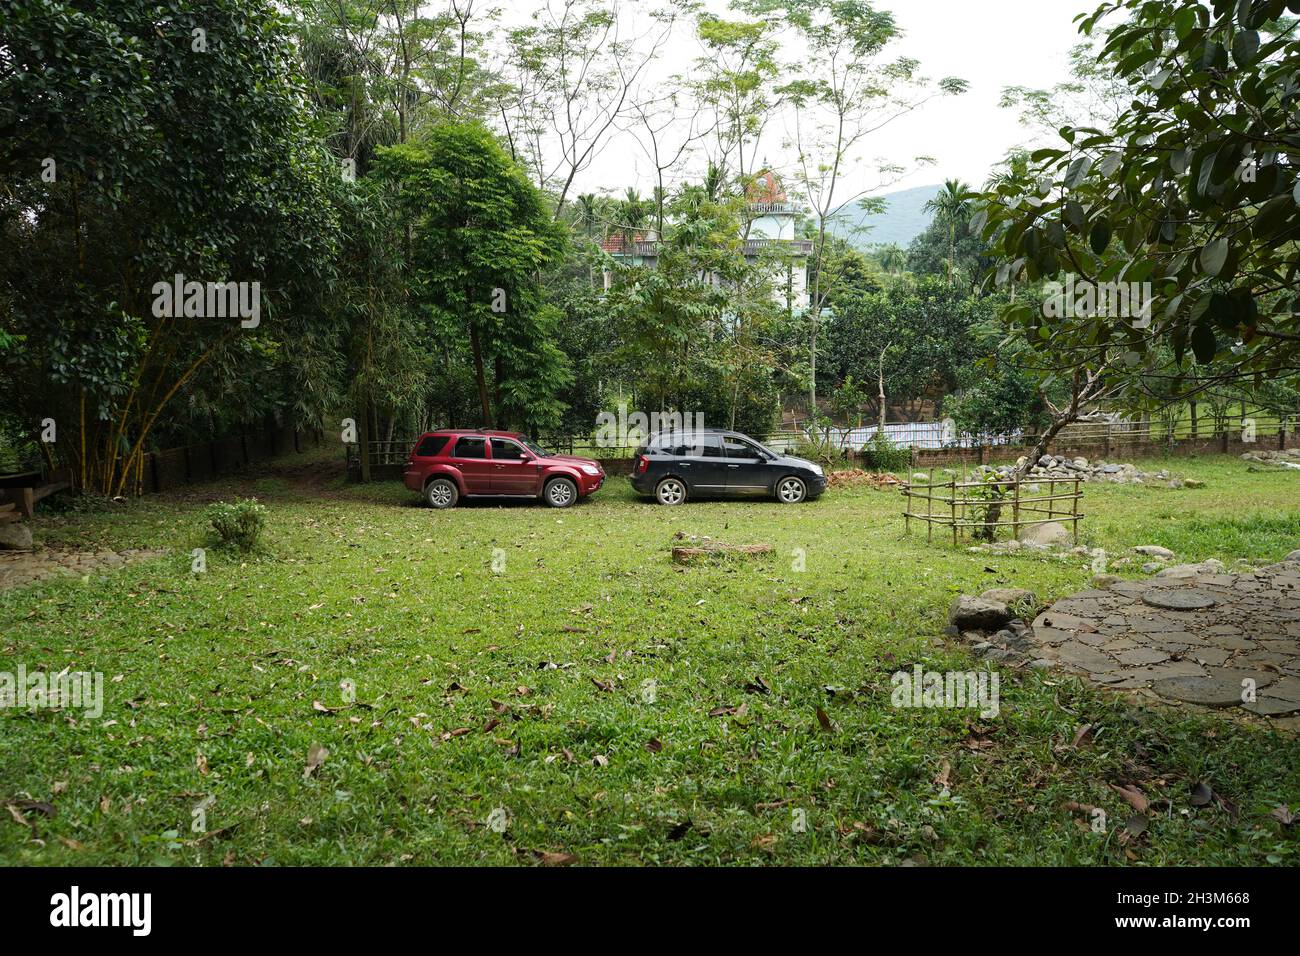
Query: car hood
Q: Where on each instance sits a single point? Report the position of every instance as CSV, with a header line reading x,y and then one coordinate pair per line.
x,y
801,462
573,460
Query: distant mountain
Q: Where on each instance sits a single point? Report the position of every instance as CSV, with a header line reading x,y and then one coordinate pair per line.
x,y
902,221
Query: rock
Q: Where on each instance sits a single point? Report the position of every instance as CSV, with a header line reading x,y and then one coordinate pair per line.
x,y
1045,535
976,614
1180,571
1155,551
1151,567
1293,556
920,476
1102,581
1206,691
15,537
1179,599
1010,596
1176,484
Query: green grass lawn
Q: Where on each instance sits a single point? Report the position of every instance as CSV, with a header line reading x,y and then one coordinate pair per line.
x,y
528,692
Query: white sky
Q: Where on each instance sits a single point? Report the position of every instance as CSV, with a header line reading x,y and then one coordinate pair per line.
x,y
990,43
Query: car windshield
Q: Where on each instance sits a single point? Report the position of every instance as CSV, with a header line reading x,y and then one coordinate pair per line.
x,y
535,448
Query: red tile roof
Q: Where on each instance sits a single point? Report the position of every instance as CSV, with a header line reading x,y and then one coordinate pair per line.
x,y
616,242
767,188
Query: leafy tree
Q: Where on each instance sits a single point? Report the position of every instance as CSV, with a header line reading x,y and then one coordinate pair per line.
x,y
910,341
482,236
157,142
841,94
1194,190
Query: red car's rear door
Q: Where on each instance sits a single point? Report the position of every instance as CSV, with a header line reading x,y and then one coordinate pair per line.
x,y
470,457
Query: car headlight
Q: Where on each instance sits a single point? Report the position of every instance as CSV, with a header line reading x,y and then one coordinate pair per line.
x,y
818,471
590,470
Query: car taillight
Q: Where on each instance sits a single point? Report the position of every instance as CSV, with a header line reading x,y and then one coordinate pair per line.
x,y
642,464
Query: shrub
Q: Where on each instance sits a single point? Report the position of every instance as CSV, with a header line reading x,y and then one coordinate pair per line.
x,y
880,454
818,449
237,525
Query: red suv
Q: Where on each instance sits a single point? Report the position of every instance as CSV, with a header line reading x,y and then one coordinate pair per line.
x,y
446,465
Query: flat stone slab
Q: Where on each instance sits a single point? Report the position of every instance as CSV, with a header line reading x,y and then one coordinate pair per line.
x,y
20,569
1195,638
1206,691
1179,599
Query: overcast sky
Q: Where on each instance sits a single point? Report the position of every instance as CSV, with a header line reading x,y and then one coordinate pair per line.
x,y
990,43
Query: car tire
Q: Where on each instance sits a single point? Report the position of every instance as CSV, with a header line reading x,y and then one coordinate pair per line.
x,y
791,490
670,491
560,493
441,493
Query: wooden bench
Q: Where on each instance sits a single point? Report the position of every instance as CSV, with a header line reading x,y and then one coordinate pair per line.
x,y
19,492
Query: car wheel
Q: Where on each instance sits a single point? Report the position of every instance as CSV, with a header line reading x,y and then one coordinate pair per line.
x,y
441,493
560,493
670,491
791,491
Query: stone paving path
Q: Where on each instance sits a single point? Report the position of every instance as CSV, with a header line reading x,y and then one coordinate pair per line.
x,y
19,568
1192,633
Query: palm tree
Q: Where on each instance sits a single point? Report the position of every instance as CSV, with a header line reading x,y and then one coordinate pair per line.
x,y
950,206
587,213
634,212
892,258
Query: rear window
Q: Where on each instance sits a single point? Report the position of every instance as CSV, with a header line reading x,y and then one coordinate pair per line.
x,y
471,448
432,446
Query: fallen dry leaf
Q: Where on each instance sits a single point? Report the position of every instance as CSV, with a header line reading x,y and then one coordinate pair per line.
x,y
315,757
557,859
941,778
1133,797
824,719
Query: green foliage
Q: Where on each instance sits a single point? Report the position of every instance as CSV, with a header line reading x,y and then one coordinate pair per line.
x,y
236,525
142,142
480,237
917,333
1191,189
881,454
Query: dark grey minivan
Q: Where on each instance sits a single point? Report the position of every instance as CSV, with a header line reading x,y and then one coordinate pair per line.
x,y
676,466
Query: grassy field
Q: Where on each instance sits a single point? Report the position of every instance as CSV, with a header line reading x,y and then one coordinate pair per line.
x,y
566,707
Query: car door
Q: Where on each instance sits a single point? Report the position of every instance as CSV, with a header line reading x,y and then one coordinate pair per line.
x,y
748,471
514,471
470,456
702,464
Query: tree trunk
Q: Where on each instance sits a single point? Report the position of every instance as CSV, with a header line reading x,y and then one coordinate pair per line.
x,y
477,348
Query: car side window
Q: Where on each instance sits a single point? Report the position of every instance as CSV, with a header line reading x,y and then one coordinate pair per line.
x,y
471,448
432,446
503,449
735,448
708,446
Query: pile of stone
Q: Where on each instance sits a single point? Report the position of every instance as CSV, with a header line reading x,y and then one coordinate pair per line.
x,y
1058,466
1283,459
994,624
